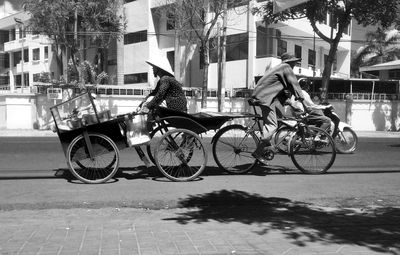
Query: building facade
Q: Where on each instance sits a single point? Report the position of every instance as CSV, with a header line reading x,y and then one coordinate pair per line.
x,y
251,48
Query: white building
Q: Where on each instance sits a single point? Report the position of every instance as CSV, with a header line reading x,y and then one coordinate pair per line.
x,y
251,47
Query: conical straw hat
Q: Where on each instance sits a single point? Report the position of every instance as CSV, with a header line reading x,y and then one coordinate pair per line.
x,y
161,62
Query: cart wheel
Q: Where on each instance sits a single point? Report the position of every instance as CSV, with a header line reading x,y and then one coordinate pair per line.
x,y
155,136
180,155
101,167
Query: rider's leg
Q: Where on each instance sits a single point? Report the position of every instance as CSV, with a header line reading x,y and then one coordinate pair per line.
x,y
319,120
270,125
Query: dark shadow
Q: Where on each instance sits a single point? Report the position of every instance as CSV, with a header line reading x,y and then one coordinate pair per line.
x,y
301,223
362,172
258,170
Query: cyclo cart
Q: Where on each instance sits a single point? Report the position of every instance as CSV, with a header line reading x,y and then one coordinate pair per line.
x,y
92,140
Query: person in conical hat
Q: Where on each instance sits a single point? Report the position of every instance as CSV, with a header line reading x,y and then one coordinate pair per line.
x,y
167,88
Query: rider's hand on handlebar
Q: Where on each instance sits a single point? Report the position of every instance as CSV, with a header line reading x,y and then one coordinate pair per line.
x,y
329,107
143,109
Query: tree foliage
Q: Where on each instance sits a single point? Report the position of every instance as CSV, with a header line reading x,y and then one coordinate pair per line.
x,y
69,22
365,12
381,46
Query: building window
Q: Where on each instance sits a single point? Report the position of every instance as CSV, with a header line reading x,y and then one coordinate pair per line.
x,y
5,60
140,36
170,21
36,77
282,47
4,36
46,52
128,1
26,55
135,78
236,48
13,33
311,58
17,57
297,53
394,74
171,59
18,80
264,43
4,79
22,32
36,54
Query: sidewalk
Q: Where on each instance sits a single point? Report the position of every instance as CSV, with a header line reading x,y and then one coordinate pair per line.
x,y
207,230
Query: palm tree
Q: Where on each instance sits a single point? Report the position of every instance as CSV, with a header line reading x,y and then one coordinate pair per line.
x,y
381,46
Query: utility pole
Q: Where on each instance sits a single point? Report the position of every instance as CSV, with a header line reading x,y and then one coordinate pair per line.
x,y
21,38
222,59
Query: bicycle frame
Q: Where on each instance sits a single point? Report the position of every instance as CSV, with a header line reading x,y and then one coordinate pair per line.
x,y
258,127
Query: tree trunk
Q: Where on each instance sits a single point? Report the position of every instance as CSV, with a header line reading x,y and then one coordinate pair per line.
x,y
206,61
57,54
326,75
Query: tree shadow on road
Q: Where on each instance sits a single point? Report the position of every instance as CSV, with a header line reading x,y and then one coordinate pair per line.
x,y
301,223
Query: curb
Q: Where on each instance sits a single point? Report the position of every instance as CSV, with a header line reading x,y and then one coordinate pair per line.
x,y
49,133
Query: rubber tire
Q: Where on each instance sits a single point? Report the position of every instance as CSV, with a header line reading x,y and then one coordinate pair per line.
x,y
296,151
150,146
88,173
338,143
178,136
217,151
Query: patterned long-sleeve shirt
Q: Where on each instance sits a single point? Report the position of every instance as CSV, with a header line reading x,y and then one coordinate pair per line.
x,y
170,90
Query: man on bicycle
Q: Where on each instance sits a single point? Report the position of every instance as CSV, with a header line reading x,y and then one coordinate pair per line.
x,y
273,89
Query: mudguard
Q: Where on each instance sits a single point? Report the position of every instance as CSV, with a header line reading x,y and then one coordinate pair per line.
x,y
343,125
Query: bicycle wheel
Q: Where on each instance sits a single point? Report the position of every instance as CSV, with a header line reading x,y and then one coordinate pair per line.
x,y
232,149
282,138
180,155
346,141
312,152
98,169
155,136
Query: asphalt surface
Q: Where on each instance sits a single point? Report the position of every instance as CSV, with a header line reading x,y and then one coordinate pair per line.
x,y
224,222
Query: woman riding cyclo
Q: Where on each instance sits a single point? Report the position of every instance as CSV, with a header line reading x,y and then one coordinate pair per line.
x,y
168,89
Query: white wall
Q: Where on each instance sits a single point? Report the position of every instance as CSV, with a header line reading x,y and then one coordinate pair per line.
x,y
32,111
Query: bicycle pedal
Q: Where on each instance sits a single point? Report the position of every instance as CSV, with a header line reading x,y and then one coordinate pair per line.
x,y
268,154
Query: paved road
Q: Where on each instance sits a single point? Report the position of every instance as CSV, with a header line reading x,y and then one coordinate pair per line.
x,y
354,209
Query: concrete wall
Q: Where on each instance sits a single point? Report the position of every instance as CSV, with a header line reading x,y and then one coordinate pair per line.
x,y
33,111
